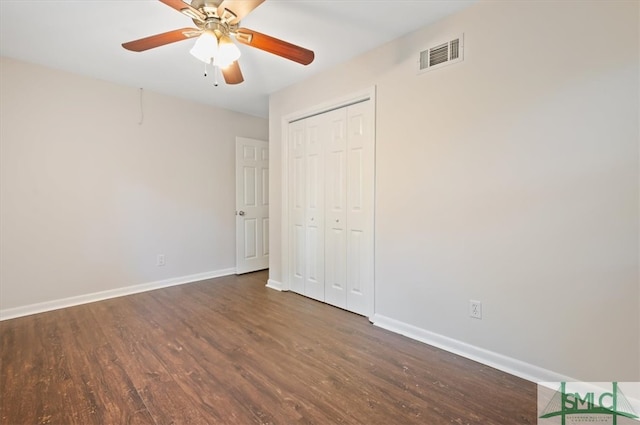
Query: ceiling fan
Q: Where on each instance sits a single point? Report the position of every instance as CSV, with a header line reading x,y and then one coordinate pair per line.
x,y
216,22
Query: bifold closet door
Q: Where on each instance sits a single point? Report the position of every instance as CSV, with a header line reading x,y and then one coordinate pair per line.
x,y
306,194
349,203
331,188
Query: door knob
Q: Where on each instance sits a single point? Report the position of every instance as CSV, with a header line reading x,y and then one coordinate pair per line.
x,y
240,212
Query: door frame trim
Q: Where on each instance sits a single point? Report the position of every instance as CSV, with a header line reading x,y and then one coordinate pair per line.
x,y
356,97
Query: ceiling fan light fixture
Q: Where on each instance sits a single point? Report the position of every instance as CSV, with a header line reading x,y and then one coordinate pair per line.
x,y
228,52
205,47
215,21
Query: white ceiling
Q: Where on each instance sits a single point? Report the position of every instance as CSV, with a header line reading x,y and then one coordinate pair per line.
x,y
85,37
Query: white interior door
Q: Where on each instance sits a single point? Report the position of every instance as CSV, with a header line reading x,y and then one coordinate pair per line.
x,y
252,205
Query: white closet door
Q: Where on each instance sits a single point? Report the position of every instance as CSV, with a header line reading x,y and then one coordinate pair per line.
x,y
331,207
336,208
314,207
297,204
360,207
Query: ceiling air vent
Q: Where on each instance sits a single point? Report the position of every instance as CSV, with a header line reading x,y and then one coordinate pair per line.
x,y
441,54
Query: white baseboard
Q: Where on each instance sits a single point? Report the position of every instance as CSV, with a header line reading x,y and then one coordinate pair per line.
x,y
501,362
498,361
11,313
274,284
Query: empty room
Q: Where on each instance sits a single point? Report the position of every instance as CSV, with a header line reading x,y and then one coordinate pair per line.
x,y
319,212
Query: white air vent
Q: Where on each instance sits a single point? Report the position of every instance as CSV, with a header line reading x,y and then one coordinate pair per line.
x,y
442,54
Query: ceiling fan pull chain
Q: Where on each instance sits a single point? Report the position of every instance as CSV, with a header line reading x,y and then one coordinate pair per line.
x,y
205,69
215,75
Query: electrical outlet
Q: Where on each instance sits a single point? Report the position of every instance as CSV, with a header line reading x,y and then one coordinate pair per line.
x,y
475,309
160,261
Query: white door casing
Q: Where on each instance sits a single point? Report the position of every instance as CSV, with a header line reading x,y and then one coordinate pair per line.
x,y
252,205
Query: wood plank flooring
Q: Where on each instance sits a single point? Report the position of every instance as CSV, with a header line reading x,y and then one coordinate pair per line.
x,y
230,351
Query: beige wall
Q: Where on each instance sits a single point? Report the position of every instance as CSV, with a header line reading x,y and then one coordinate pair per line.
x,y
89,196
511,178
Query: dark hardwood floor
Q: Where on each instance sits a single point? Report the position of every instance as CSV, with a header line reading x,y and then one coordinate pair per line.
x,y
230,351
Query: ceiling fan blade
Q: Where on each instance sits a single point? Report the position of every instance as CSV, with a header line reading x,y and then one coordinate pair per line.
x,y
275,46
185,8
240,8
161,39
232,74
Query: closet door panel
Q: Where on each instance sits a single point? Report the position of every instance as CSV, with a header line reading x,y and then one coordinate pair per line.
x,y
360,205
297,206
336,209
315,133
